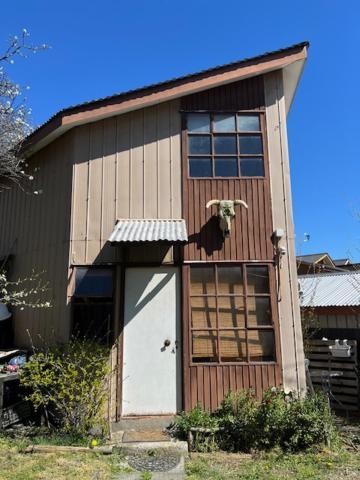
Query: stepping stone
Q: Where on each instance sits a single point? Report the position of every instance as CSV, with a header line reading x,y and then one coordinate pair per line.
x,y
160,463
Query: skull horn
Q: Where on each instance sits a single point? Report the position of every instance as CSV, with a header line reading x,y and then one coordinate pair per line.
x,y
241,202
212,202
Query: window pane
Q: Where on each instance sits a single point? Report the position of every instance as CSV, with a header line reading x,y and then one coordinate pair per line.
x,y
92,320
250,145
224,123
203,312
261,346
248,123
202,280
200,167
94,282
252,167
231,312
204,346
233,346
257,279
226,167
199,144
230,280
224,144
259,311
198,122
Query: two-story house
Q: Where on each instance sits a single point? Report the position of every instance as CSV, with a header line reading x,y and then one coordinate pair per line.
x,y
193,300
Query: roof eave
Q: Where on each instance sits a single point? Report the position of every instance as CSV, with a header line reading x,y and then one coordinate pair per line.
x,y
291,79
63,121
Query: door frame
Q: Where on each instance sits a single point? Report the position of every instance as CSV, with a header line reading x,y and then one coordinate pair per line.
x,y
120,306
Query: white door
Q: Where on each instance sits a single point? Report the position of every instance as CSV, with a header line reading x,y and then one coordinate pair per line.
x,y
151,355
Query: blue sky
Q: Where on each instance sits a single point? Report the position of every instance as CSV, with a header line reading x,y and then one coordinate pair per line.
x,y
99,48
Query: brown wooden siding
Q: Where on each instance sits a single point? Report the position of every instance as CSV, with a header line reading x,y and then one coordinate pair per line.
x,y
243,95
333,317
209,384
251,228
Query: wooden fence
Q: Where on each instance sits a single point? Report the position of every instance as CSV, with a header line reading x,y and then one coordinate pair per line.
x,y
345,387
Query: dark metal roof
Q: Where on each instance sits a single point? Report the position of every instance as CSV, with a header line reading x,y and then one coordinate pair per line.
x,y
167,83
341,261
312,258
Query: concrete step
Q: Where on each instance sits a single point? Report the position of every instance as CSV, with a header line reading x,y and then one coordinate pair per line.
x,y
142,423
176,445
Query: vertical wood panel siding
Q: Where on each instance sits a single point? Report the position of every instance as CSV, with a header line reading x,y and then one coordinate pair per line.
x,y
35,229
251,228
125,167
289,311
243,95
334,317
250,240
209,384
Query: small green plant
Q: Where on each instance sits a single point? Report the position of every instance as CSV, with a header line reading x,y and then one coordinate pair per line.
x,y
69,383
146,476
197,417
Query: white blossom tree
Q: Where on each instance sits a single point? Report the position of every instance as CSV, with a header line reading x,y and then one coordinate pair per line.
x,y
14,113
15,125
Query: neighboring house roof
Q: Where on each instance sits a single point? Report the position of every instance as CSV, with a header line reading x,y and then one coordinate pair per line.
x,y
290,59
151,230
340,262
316,258
330,289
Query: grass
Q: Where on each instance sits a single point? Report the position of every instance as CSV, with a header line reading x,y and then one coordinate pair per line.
x,y
275,466
16,465
316,465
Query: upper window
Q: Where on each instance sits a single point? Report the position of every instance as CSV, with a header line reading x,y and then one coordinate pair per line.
x,y
231,317
225,145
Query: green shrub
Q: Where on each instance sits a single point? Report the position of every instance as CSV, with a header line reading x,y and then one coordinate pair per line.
x,y
309,422
69,383
237,417
278,420
272,418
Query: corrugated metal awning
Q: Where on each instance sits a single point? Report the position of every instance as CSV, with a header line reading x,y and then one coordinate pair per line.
x,y
149,230
330,289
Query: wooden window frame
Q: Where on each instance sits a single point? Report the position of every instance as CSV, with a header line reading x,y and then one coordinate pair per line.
x,y
273,327
237,133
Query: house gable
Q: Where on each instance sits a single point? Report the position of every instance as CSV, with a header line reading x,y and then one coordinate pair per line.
x,y
290,60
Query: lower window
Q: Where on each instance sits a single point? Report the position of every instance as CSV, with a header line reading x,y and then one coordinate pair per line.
x,y
231,314
92,304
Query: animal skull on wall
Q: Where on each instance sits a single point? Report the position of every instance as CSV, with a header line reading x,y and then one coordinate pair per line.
x,y
226,213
